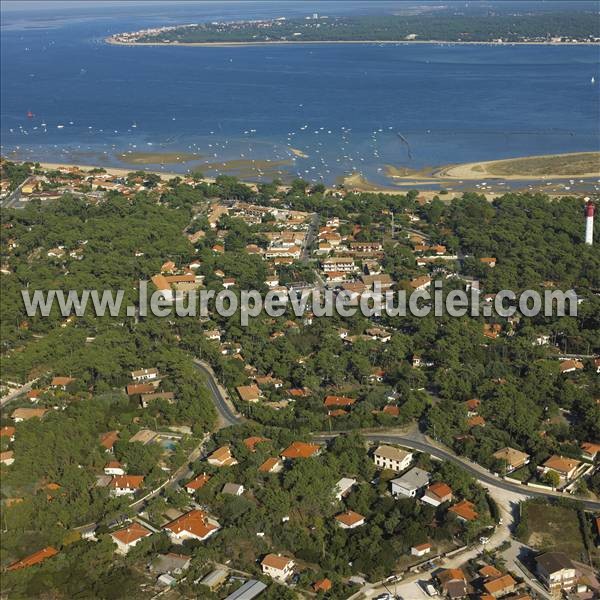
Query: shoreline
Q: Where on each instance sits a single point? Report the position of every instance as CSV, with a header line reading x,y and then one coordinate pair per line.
x,y
113,42
474,171
443,175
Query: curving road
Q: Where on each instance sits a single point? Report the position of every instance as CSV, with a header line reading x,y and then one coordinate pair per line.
x,y
224,408
413,440
422,443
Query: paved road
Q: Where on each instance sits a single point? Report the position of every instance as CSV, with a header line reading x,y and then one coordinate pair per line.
x,y
311,235
226,411
12,395
422,443
414,440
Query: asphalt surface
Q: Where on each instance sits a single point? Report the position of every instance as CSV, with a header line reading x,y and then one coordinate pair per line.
x,y
476,470
228,416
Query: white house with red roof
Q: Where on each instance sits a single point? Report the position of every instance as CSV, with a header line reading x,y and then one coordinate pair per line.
x,y
129,536
193,525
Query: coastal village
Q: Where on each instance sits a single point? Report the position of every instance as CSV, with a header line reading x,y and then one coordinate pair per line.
x,y
214,510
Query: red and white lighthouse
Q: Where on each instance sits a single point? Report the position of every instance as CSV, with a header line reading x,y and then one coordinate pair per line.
x,y
590,209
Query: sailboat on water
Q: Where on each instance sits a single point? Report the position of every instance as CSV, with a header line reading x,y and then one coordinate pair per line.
x,y
593,80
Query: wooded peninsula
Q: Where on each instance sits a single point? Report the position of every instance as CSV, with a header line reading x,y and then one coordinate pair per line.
x,y
490,28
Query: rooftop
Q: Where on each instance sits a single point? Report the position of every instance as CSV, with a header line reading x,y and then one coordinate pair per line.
x,y
300,450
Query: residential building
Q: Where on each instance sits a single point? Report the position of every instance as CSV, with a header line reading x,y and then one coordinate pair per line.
x,y
197,483
300,450
410,483
565,467
331,401
108,439
464,510
248,393
350,519
570,366
222,457
24,414
215,579
322,585
421,549
140,388
61,383
338,265
33,559
500,586
389,457
271,465
277,567
233,489
590,451
144,375
7,458
437,493
129,536
513,459
343,487
8,431
193,525
114,467
490,261
252,441
125,485
472,406
453,583
556,572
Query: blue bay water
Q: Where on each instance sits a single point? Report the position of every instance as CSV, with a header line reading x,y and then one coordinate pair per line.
x,y
346,107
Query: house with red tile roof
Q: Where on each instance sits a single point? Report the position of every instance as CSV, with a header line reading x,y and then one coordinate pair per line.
x,y
570,365
277,567
350,519
322,585
453,583
271,465
331,401
437,493
33,559
472,406
489,572
61,382
590,451
252,441
564,466
249,393
7,458
500,586
123,485
197,483
193,525
464,510
300,450
108,439
8,431
421,549
140,388
222,457
476,421
129,536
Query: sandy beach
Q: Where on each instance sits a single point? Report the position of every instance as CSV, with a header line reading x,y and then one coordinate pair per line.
x,y
550,166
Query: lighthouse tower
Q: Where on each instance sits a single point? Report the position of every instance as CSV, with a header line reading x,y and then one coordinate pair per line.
x,y
589,222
